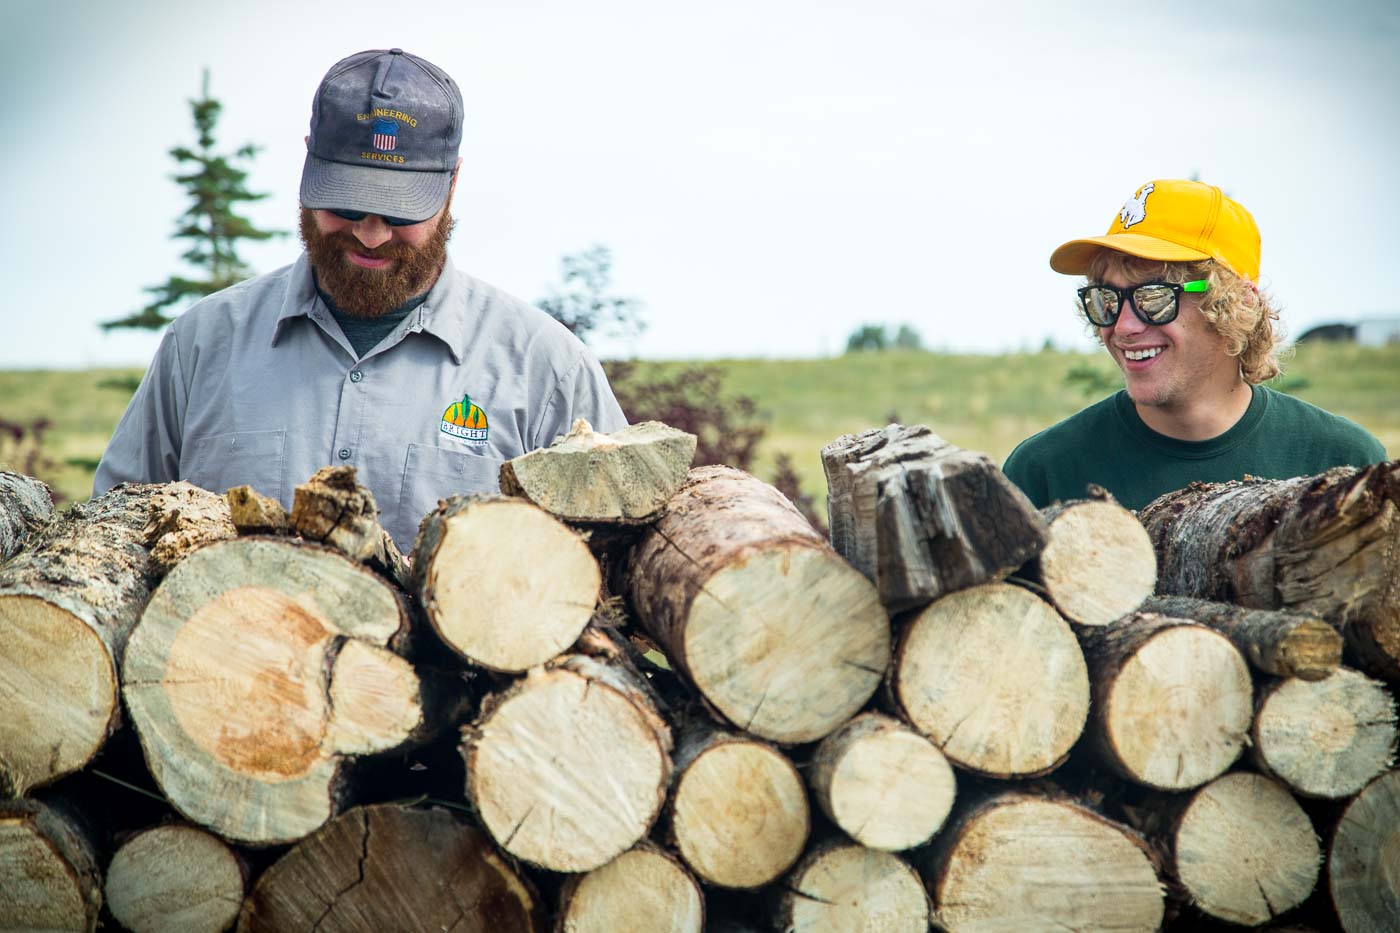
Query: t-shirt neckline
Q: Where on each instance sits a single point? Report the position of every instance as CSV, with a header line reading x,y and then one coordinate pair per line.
x,y
1194,450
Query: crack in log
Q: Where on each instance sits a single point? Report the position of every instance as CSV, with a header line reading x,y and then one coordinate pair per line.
x,y
863,667
809,897
364,857
954,731
505,844
703,589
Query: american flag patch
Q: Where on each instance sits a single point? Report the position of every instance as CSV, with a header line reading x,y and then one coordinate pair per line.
x,y
386,135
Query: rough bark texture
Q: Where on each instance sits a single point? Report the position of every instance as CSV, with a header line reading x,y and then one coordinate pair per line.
x,y
1172,700
256,514
781,636
739,815
1327,738
995,678
183,519
175,879
568,767
256,668
67,605
643,890
1285,644
505,584
333,509
389,867
48,870
1328,545
882,783
621,478
1244,850
1098,564
26,506
1362,860
1024,862
922,517
843,888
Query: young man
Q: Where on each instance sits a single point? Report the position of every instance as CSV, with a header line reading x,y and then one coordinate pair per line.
x,y
370,350
1173,292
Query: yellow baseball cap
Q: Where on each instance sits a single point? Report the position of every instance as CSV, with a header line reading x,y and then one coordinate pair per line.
x,y
1174,221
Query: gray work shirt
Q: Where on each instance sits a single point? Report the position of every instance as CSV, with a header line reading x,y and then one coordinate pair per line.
x,y
258,385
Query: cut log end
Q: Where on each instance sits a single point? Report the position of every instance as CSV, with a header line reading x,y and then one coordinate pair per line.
x,y
641,891
1363,864
48,873
852,889
1099,564
175,879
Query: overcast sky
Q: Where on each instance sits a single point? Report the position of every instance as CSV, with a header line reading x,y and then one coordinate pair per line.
x,y
768,175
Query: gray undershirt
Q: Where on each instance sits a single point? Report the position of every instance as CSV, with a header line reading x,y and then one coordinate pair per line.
x,y
364,333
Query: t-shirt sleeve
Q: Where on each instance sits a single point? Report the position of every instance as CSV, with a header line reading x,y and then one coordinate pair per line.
x,y
582,392
145,448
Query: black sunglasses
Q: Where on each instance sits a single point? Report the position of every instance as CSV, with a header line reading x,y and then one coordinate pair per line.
x,y
1153,302
357,216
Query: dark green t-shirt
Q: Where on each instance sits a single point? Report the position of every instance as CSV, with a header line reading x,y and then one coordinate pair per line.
x,y
1108,444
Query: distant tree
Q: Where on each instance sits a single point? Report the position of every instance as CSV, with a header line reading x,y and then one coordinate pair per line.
x,y
907,338
582,303
1091,379
211,224
867,337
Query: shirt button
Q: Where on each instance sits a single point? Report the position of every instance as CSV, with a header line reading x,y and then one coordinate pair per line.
x,y
356,376
345,453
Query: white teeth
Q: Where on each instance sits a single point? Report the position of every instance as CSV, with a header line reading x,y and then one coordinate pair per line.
x,y
1142,354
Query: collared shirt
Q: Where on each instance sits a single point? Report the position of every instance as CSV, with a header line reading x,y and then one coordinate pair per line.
x,y
258,385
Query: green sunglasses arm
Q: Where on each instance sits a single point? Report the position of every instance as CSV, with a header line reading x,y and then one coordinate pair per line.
x,y
1200,285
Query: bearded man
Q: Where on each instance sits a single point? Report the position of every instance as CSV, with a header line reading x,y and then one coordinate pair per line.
x,y
371,350
1172,291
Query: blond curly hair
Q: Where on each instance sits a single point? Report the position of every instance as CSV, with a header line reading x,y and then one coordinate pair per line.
x,y
1235,309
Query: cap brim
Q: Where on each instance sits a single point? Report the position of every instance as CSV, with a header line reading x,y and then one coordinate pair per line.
x,y
1073,258
389,192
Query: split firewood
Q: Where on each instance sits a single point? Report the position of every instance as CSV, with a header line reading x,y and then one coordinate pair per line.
x,y
1243,850
922,517
842,888
1323,545
738,812
390,867
1098,564
1361,874
184,518
1172,700
1285,644
175,879
781,636
568,767
333,509
882,783
1327,738
26,506
257,667
995,678
67,604
1020,861
643,890
505,584
623,478
254,513
49,878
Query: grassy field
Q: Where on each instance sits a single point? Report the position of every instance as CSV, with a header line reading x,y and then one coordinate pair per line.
x,y
986,403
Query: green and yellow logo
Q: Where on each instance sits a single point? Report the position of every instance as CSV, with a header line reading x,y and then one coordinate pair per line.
x,y
465,421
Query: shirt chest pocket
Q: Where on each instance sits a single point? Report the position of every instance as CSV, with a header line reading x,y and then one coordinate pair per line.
x,y
218,462
433,473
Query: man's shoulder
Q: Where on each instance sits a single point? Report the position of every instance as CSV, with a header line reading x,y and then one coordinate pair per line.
x,y
1070,434
258,298
1342,437
512,323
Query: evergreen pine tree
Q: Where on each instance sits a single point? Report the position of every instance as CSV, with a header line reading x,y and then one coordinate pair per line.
x,y
215,187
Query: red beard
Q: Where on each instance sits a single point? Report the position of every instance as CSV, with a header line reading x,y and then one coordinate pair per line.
x,y
371,292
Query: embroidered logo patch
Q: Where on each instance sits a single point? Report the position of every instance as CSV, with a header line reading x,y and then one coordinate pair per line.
x,y
465,421
386,135
1135,208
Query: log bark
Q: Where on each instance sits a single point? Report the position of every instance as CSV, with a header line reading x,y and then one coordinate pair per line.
x,y
1361,861
568,767
184,518
506,585
1172,700
1098,564
331,508
922,517
844,888
1324,545
882,783
643,890
175,879
995,678
48,870
1327,738
781,636
622,478
254,513
389,867
1284,644
1244,851
738,812
67,605
1019,861
257,667
26,506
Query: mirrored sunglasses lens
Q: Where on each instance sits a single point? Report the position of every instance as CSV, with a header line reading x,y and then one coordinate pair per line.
x,y
1156,302
1101,306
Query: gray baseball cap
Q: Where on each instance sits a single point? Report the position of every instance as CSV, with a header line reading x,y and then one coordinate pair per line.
x,y
385,129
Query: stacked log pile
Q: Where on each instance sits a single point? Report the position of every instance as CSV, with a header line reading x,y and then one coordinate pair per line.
x,y
628,695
